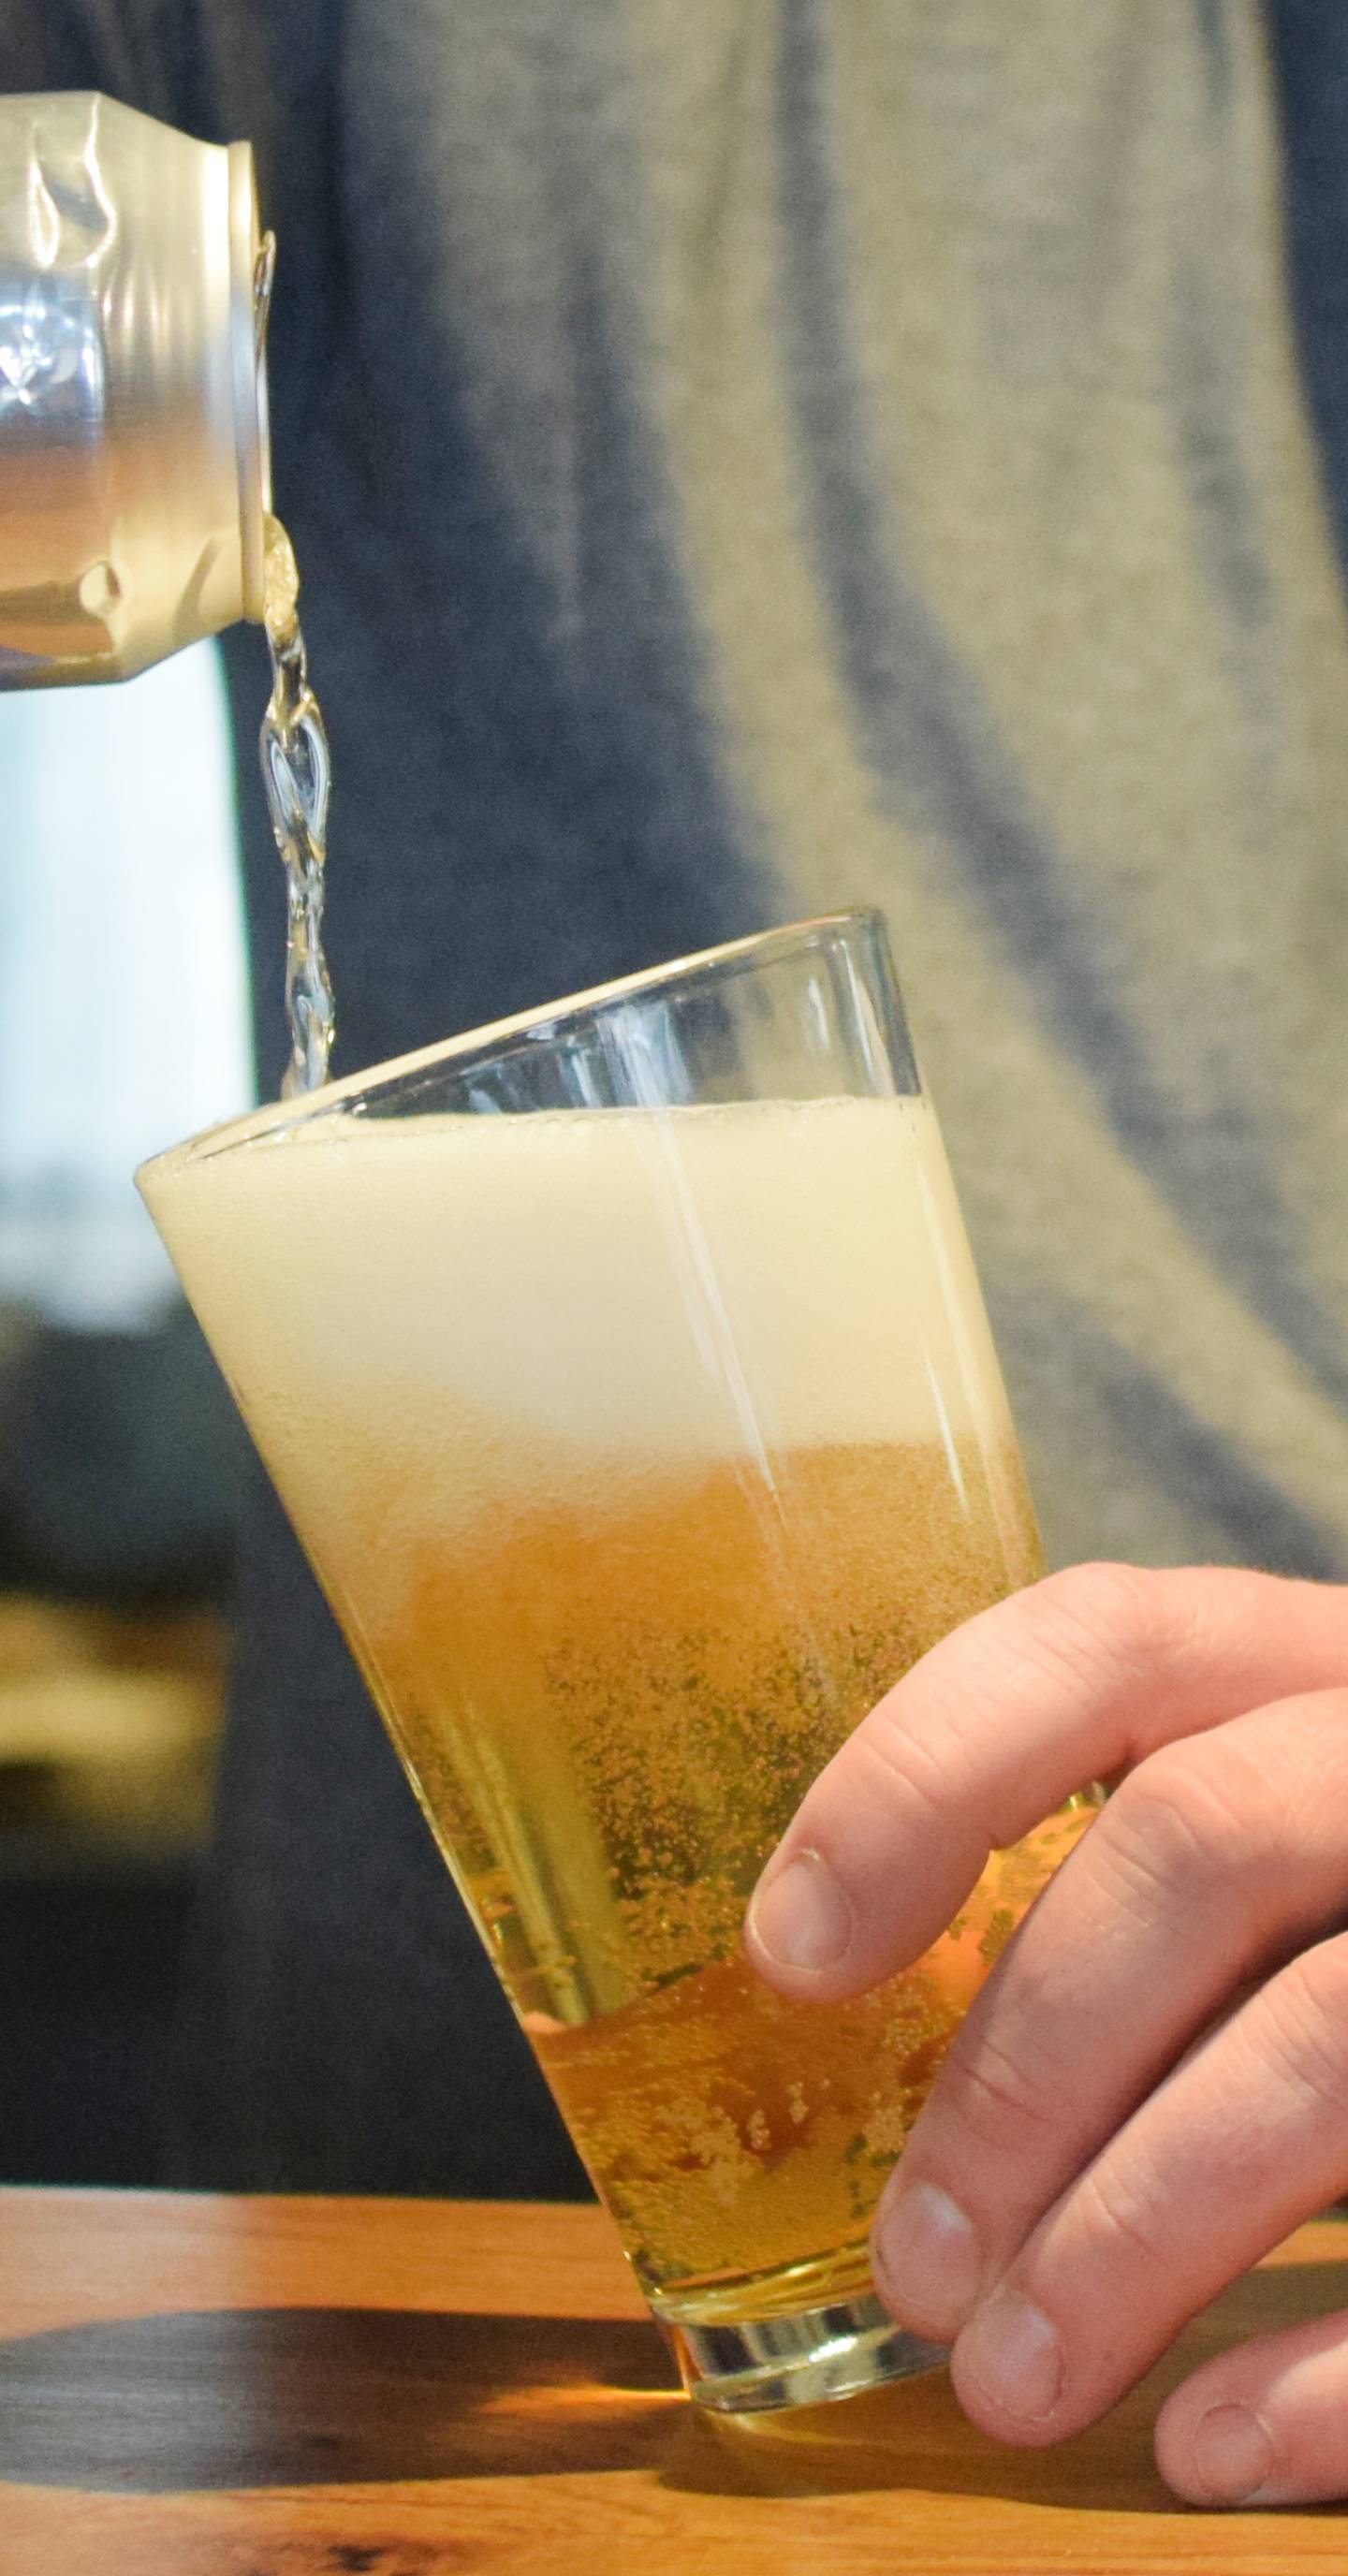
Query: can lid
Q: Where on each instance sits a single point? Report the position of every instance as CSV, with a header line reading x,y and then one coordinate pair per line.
x,y
250,293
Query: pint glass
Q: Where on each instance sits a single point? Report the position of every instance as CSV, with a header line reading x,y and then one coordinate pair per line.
x,y
625,1374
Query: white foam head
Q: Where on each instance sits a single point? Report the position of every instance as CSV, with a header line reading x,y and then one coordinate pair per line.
x,y
649,1285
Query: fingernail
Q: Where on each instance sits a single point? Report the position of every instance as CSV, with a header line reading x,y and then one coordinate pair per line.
x,y
800,1917
1232,2454
927,2261
1013,2356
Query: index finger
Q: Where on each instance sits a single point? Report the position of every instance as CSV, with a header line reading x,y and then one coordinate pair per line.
x,y
1072,1679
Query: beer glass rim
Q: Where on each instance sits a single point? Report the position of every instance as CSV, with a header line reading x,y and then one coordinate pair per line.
x,y
544,1020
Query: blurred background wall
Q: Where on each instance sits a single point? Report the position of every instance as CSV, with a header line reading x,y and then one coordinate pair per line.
x,y
123,1026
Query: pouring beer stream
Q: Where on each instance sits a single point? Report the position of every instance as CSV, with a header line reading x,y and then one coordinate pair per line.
x,y
297,775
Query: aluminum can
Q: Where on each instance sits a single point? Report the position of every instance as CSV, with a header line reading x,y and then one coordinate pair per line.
x,y
134,460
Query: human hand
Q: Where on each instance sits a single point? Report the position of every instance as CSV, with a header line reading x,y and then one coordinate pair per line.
x,y
1152,2087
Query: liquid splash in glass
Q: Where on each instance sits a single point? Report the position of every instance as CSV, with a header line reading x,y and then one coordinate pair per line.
x,y
297,776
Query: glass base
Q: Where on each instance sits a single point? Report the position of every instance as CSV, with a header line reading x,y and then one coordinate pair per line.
x,y
801,2360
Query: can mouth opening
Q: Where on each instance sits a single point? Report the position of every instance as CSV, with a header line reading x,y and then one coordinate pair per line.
x,y
250,271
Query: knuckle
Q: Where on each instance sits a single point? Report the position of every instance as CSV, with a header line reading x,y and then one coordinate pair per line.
x,y
992,2096
888,1756
1309,2005
1097,1613
1123,2210
1313,1741
1193,1820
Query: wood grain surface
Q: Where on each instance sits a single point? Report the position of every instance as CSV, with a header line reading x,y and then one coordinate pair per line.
x,y
211,2387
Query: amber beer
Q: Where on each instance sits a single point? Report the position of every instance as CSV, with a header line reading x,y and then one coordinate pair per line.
x,y
689,1672
639,1454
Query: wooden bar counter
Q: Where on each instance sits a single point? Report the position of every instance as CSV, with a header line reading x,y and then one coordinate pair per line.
x,y
213,2387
